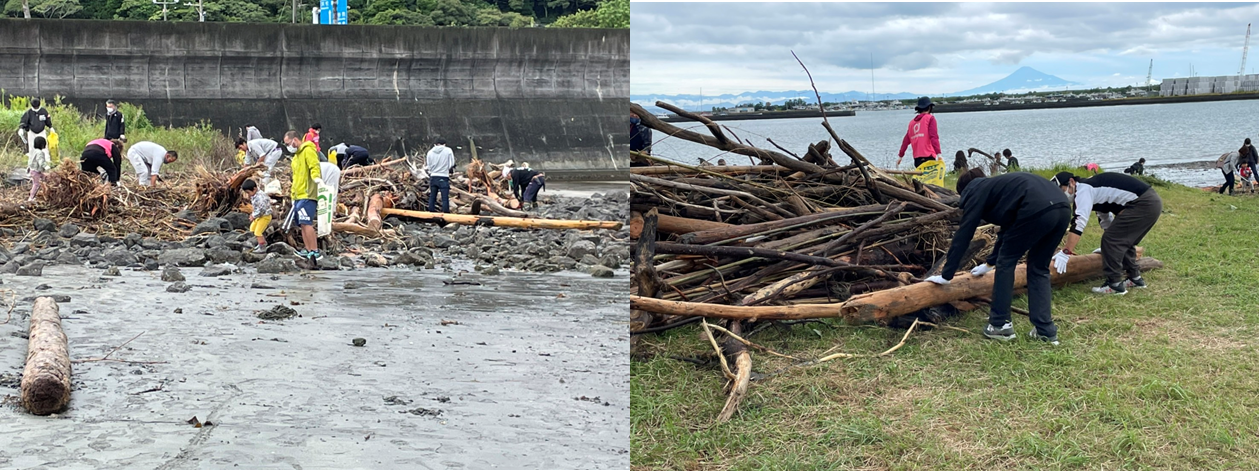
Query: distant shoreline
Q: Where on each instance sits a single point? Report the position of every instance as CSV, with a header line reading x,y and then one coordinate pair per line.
x,y
962,108
764,115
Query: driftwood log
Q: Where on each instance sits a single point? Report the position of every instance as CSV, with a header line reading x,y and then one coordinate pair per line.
x,y
46,378
501,221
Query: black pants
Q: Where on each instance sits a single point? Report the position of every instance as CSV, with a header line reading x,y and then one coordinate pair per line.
x,y
94,157
918,161
1228,183
1037,236
1119,241
362,160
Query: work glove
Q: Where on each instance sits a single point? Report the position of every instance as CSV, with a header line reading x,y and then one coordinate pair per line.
x,y
122,137
319,182
1060,261
1097,250
981,270
22,134
937,279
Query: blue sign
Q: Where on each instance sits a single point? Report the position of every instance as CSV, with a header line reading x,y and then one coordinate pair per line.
x,y
332,12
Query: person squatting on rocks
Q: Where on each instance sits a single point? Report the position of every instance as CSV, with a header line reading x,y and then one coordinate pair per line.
x,y
115,128
38,161
640,140
536,183
1228,164
260,217
1126,209
1011,163
922,135
1137,168
1033,215
35,123
147,158
305,191
439,163
102,156
520,178
259,150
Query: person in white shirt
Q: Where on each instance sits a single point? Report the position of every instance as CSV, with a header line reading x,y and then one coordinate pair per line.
x,y
261,150
147,158
439,162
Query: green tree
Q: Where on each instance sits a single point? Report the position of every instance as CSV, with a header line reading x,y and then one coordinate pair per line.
x,y
401,17
609,14
44,8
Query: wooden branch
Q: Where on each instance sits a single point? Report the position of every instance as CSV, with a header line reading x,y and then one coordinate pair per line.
x,y
374,206
46,377
744,230
358,170
743,252
502,221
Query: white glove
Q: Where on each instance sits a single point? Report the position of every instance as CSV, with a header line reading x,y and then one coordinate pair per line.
x,y
1060,261
123,137
981,270
319,182
22,134
1097,250
937,279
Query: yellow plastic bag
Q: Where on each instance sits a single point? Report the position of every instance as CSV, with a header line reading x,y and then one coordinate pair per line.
x,y
332,156
53,142
932,173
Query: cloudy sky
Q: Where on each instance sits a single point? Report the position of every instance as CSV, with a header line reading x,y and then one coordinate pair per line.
x,y
928,48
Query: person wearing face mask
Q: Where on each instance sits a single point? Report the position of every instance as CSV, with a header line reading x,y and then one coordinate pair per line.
x,y
36,122
305,191
1033,214
115,128
640,140
1126,209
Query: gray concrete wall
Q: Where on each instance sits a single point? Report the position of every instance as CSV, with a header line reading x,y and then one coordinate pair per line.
x,y
556,98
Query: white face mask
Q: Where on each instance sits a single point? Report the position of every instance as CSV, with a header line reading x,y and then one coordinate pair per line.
x,y
111,109
291,148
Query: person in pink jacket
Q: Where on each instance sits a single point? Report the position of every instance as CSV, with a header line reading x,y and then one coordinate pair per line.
x,y
922,135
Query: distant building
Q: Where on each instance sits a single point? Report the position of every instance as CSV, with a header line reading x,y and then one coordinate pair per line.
x,y
743,109
1209,85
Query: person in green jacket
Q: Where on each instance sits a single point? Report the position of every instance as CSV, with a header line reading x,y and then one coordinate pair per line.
x,y
305,191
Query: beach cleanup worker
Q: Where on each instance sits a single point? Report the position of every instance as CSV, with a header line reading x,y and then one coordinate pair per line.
x,y
35,122
520,178
99,156
1011,163
536,183
1250,157
262,150
959,162
1126,209
352,156
640,140
1227,164
114,126
305,191
1033,214
925,140
147,158
1137,168
260,217
995,164
439,162
37,162
312,135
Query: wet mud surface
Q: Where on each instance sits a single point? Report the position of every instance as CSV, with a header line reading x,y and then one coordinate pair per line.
x,y
522,370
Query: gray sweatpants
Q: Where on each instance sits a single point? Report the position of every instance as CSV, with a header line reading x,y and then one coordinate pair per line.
x,y
1119,241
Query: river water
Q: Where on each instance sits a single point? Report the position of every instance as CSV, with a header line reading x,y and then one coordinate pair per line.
x,y
1167,135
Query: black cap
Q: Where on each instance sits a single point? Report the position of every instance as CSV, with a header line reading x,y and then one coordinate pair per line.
x,y
966,178
110,102
441,141
923,103
1063,178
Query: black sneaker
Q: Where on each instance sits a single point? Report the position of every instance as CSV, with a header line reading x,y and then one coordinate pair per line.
x,y
1037,336
1137,282
1112,288
1005,333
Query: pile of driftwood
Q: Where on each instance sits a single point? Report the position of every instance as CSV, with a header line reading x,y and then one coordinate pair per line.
x,y
794,236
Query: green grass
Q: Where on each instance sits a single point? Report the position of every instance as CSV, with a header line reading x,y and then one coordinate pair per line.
x,y
1163,378
199,145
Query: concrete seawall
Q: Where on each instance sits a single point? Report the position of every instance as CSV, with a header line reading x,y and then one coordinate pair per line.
x,y
556,98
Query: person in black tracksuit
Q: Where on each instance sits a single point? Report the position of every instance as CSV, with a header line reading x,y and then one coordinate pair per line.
x,y
95,156
355,155
640,140
1127,209
1033,215
114,126
520,179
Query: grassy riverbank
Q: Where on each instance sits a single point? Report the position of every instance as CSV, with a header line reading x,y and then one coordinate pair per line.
x,y
197,145
1160,378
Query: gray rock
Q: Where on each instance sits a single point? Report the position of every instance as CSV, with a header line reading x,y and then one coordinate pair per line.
x,y
473,252
563,262
21,248
34,269
443,241
610,261
67,258
328,263
251,257
354,285
280,248
149,243
581,248
589,259
212,225
277,265
151,264
5,255
490,270
600,271
68,230
238,220
346,263
42,224
183,257
10,267
132,239
119,257
172,274
413,257
224,255
112,271
188,215
178,287
85,240
215,241
216,270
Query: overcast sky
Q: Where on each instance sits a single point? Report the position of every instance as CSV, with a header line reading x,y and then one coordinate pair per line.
x,y
928,48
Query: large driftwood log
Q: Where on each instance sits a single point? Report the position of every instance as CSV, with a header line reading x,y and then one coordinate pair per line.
x,y
490,203
646,282
374,205
882,305
46,378
502,221
358,170
708,236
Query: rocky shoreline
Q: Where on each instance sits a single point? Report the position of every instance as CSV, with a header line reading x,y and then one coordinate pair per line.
x,y
224,245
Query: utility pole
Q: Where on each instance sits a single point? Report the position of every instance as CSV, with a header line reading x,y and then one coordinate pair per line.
x,y
294,11
164,4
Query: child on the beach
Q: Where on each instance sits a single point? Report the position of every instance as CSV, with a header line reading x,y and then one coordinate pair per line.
x,y
261,215
37,163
